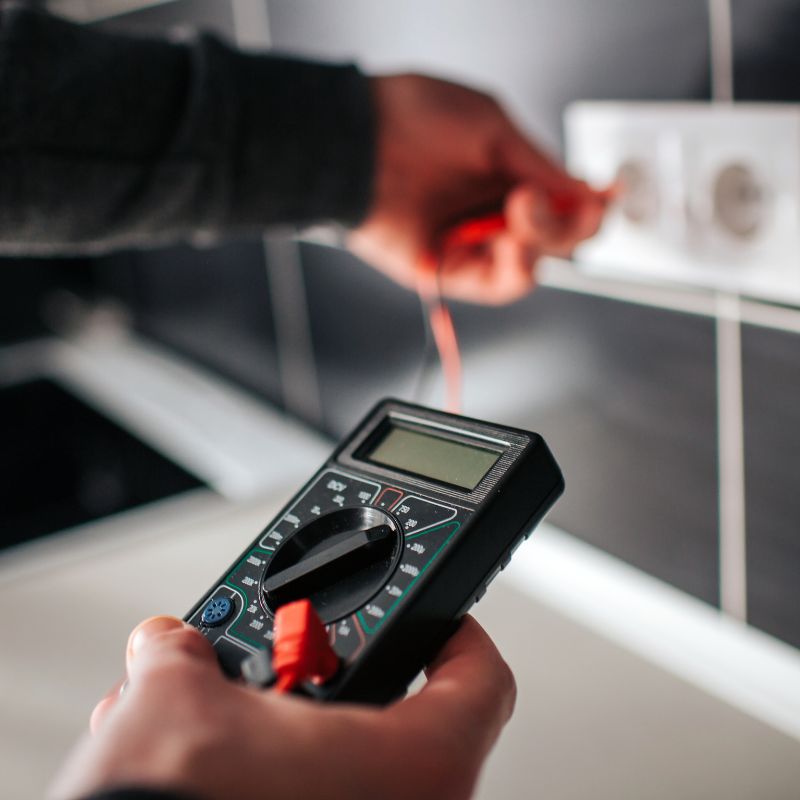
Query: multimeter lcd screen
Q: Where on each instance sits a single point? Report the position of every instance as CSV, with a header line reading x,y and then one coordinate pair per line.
x,y
433,457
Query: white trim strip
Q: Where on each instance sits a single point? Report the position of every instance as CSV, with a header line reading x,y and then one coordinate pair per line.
x,y
720,31
730,443
95,10
563,275
558,274
778,318
738,664
293,338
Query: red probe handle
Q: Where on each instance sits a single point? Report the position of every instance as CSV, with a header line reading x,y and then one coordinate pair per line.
x,y
301,650
478,229
473,231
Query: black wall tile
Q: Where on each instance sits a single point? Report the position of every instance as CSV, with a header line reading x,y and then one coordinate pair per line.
x,y
626,397
368,336
771,361
766,46
210,304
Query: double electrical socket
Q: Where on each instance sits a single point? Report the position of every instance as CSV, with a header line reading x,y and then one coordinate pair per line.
x,y
710,193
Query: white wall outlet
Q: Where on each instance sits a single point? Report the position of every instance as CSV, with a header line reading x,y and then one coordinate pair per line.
x,y
712,193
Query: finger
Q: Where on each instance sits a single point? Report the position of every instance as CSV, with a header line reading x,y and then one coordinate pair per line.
x,y
100,713
470,689
526,163
588,221
523,209
101,710
137,638
511,276
556,228
166,640
494,272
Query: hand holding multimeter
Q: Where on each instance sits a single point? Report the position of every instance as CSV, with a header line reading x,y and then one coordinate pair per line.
x,y
396,535
183,727
391,542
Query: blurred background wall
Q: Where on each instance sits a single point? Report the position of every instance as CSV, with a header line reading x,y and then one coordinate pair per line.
x,y
625,391
628,380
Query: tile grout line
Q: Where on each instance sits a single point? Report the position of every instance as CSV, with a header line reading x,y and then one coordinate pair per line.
x,y
558,274
297,366
730,441
293,336
720,34
251,24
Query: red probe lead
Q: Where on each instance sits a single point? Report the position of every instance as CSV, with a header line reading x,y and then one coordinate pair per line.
x,y
470,232
301,650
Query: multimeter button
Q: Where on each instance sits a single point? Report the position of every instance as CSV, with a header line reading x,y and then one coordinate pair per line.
x,y
388,497
217,611
484,586
512,550
494,574
257,669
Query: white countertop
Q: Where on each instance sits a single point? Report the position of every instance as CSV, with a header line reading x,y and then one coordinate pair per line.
x,y
580,694
623,680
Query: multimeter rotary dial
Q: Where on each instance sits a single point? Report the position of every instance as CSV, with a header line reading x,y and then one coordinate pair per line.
x,y
338,562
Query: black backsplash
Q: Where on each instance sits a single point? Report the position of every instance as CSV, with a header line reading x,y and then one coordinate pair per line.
x,y
630,411
211,304
766,50
771,372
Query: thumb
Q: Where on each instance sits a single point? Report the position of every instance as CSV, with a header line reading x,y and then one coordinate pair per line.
x,y
153,643
161,640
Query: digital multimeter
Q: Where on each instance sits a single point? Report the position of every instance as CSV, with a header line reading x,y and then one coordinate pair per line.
x,y
392,540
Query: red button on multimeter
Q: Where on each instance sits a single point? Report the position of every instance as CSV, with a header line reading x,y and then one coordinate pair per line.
x,y
388,580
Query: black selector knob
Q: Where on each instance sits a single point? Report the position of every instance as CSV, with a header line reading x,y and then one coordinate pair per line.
x,y
338,562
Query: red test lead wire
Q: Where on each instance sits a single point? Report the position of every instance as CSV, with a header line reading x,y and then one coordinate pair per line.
x,y
469,232
301,651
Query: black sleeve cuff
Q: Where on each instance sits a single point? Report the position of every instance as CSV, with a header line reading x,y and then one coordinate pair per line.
x,y
306,147
139,793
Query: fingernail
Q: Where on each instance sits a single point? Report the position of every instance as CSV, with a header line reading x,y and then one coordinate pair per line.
x,y
149,628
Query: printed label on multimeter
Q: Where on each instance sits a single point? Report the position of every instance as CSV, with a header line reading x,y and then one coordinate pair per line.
x,y
428,525
391,541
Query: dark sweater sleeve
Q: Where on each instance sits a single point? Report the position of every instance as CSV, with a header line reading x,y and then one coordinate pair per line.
x,y
131,793
109,140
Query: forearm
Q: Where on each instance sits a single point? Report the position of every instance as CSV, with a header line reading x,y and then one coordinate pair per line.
x,y
109,141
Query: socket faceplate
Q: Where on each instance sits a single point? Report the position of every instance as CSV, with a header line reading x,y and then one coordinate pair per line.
x,y
713,193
